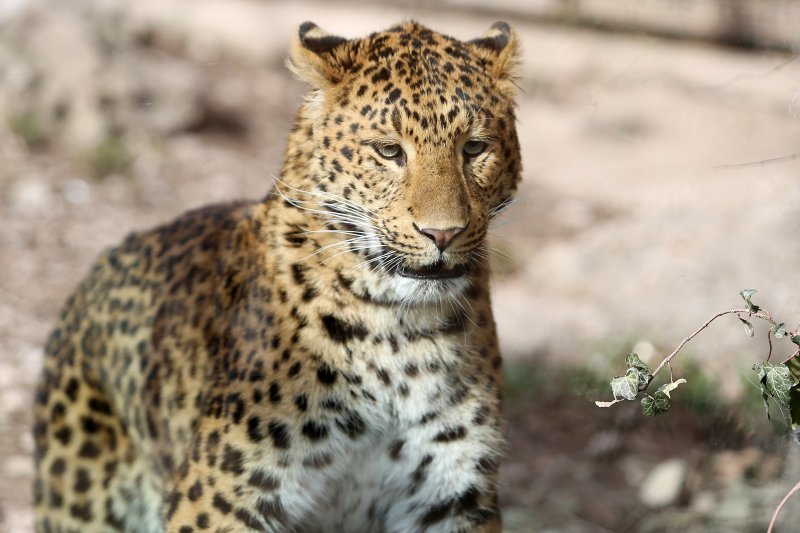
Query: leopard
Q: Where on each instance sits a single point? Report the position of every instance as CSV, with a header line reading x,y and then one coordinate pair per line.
x,y
323,358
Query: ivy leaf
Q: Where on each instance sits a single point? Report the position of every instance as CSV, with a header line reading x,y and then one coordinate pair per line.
x,y
656,404
626,386
775,381
762,377
795,339
748,327
778,382
633,362
794,405
666,388
746,294
779,330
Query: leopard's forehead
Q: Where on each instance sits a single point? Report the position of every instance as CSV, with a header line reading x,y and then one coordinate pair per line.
x,y
410,62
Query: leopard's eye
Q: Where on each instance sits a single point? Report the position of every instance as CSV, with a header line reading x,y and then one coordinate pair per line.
x,y
389,151
474,148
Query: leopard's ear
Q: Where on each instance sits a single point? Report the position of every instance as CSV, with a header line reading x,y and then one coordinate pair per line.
x,y
500,47
319,58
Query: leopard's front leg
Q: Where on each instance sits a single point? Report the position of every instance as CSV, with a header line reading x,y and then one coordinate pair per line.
x,y
449,461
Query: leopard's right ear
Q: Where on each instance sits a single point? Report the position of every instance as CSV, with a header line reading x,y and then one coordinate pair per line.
x,y
319,58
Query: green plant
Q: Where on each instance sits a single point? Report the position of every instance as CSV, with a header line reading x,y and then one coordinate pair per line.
x,y
110,156
28,127
779,382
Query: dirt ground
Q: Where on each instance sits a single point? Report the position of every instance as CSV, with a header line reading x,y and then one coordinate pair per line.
x,y
640,216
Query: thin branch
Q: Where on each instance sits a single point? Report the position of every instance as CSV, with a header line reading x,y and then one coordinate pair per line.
x,y
760,163
789,494
693,335
769,339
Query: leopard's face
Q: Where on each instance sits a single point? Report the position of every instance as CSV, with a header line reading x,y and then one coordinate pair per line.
x,y
415,149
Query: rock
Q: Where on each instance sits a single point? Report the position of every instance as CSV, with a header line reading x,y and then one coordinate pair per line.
x,y
31,196
662,486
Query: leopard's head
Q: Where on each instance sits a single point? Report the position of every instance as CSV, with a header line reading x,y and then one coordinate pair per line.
x,y
414,147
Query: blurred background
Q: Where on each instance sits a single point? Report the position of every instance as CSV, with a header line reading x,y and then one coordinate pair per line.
x,y
661,143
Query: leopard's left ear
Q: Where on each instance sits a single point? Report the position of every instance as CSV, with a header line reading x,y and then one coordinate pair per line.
x,y
319,58
500,46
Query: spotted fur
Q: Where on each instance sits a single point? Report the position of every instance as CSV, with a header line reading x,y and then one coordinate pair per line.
x,y
322,360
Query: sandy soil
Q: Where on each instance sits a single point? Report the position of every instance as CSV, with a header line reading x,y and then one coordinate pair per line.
x,y
629,226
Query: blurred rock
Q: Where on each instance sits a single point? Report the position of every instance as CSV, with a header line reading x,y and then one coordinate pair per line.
x,y
31,196
663,485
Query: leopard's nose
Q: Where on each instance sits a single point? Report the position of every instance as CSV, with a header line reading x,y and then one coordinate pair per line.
x,y
441,237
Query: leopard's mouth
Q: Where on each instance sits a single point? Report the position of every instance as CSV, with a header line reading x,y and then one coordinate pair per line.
x,y
437,270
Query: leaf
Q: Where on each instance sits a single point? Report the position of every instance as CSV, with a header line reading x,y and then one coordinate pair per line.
x,y
779,330
666,388
775,381
762,375
606,404
795,339
655,405
746,294
634,363
748,327
794,405
778,381
626,386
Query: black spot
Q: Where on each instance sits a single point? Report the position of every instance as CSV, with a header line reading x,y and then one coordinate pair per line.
x,y
254,430
299,273
171,503
271,509
314,431
435,514
64,435
326,375
58,467
72,389
89,450
263,480
411,370
275,392
396,448
81,511
250,520
341,331
451,434
195,491
100,406
202,521
351,424
185,529
347,153
232,460
383,375
280,434
82,481
301,401
382,75
90,425
221,504
295,369
393,96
